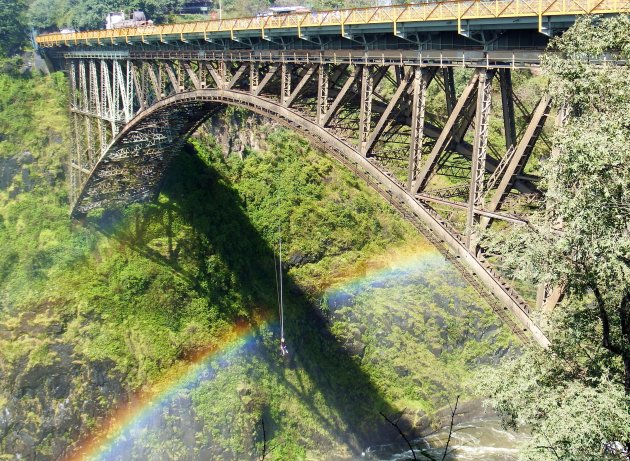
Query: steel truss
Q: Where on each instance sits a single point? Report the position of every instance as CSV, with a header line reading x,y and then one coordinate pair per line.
x,y
129,115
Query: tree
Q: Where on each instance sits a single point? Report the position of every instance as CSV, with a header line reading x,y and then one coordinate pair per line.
x,y
589,177
90,14
43,14
13,30
576,394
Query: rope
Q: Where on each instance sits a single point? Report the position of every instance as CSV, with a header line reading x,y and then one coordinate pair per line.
x,y
278,272
281,300
275,270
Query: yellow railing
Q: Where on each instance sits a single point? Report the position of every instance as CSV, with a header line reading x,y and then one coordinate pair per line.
x,y
441,11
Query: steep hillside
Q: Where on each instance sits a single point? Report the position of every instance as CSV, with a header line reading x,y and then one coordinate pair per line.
x,y
168,309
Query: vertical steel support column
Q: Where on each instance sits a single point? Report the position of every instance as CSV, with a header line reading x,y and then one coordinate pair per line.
x,y
129,91
74,94
106,98
202,74
253,77
121,90
449,89
507,103
115,98
222,74
322,92
480,145
418,104
85,99
75,160
95,85
138,85
285,77
89,132
86,152
365,115
161,79
90,159
94,88
95,99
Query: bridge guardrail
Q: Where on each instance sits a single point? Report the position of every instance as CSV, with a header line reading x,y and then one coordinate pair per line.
x,y
397,14
443,58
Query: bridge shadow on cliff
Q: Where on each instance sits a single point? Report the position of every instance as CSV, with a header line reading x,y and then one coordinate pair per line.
x,y
200,199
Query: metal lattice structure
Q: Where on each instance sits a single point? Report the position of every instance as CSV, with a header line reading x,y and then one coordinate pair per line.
x,y
133,105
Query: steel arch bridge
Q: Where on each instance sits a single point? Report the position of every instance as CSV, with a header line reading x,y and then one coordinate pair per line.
x,y
357,89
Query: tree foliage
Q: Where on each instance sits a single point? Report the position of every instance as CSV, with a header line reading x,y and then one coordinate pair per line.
x,y
90,14
13,30
575,395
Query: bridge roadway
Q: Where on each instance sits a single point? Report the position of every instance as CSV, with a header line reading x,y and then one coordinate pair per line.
x,y
356,83
412,23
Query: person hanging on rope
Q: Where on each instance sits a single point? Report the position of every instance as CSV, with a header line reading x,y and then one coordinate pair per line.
x,y
283,347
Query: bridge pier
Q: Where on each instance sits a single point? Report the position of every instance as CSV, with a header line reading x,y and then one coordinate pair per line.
x,y
480,146
421,79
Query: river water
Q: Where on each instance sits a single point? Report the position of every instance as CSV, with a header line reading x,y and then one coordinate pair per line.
x,y
418,306
480,438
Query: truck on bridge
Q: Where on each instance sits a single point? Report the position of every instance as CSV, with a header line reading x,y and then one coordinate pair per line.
x,y
119,20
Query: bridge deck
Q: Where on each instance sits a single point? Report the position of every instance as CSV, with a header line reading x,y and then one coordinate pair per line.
x,y
398,19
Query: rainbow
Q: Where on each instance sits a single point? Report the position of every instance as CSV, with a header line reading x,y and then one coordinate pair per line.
x,y
391,266
106,442
114,433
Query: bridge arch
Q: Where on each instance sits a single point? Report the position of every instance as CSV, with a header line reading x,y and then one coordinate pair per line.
x,y
132,105
138,157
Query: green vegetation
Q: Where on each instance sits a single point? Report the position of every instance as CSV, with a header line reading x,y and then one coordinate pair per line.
x,y
93,311
576,395
90,14
13,30
45,15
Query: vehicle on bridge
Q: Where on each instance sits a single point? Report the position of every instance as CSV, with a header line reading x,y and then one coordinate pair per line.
x,y
118,20
283,11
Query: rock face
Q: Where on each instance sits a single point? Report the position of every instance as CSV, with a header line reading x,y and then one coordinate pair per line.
x,y
237,131
19,173
10,168
49,392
